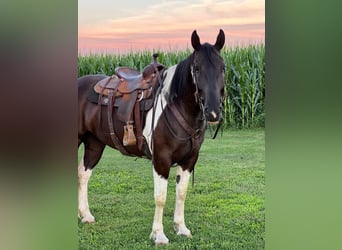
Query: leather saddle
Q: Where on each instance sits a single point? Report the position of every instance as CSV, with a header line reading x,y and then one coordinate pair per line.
x,y
131,92
126,80
128,86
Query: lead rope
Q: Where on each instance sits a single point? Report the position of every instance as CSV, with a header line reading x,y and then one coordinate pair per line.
x,y
216,131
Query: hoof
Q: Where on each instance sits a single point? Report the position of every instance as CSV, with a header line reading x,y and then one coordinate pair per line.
x,y
159,238
86,216
182,230
88,219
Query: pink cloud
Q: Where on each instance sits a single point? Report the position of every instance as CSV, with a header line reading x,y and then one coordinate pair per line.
x,y
169,25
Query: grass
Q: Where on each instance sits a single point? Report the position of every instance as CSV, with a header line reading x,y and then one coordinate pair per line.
x,y
224,209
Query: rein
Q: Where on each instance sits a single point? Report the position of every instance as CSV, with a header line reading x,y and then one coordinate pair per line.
x,y
216,131
193,134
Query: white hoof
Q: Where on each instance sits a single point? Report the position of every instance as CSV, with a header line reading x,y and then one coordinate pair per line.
x,y
159,238
182,230
87,218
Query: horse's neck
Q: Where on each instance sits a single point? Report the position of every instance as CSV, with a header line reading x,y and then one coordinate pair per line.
x,y
190,109
185,99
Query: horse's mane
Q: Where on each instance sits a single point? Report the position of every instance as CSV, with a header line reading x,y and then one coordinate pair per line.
x,y
181,77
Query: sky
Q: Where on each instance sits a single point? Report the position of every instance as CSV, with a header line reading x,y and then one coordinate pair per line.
x,y
107,26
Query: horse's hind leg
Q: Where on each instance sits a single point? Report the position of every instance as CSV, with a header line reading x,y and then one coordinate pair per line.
x,y
83,206
92,154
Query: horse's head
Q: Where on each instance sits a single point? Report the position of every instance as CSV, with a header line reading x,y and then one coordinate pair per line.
x,y
208,73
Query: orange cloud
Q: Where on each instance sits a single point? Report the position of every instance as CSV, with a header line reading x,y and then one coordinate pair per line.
x,y
169,25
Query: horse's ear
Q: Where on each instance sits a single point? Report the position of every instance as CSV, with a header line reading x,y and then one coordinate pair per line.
x,y
195,41
220,40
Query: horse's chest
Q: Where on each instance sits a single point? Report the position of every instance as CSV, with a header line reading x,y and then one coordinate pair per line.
x,y
153,115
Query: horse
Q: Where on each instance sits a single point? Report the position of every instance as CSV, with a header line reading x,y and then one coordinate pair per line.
x,y
188,96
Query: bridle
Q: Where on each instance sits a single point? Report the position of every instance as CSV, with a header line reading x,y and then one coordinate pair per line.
x,y
199,100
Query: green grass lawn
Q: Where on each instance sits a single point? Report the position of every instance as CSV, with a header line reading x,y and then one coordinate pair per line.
x,y
224,209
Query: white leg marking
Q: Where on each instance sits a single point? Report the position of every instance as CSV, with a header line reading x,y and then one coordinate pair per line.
x,y
147,132
83,206
181,190
160,192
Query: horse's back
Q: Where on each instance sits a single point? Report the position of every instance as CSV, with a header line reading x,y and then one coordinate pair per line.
x,y
85,82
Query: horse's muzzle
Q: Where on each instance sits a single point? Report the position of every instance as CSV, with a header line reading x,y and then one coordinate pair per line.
x,y
213,117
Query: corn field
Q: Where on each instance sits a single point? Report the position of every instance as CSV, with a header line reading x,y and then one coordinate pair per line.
x,y
244,106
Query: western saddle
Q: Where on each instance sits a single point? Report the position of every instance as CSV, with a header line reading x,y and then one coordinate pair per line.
x,y
132,93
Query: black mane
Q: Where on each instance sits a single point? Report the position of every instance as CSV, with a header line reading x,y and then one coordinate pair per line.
x,y
181,78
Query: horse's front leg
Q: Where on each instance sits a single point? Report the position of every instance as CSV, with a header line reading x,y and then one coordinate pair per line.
x,y
160,192
182,180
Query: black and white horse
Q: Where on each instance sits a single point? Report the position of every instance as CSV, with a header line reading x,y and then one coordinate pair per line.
x,y
190,96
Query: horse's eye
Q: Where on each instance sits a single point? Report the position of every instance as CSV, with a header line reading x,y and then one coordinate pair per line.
x,y
196,69
224,68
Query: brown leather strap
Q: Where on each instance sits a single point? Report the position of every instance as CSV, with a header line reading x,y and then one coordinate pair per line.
x,y
138,125
183,123
194,135
115,139
100,100
101,93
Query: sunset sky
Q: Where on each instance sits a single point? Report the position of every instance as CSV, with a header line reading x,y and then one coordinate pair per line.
x,y
122,26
